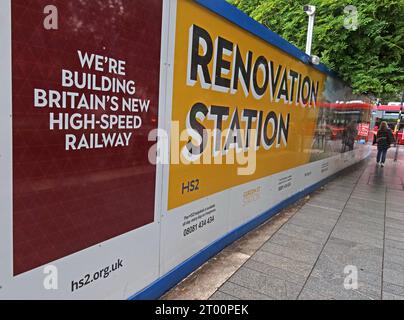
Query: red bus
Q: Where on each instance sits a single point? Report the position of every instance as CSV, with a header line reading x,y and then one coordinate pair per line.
x,y
390,114
341,114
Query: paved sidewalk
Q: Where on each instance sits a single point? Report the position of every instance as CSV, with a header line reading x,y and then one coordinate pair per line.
x,y
356,220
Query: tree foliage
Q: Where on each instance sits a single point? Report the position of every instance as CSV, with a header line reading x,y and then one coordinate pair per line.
x,y
368,58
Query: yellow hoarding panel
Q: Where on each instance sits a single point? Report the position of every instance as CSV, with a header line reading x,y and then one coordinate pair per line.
x,y
242,109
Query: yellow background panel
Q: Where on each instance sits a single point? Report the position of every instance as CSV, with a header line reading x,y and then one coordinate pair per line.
x,y
215,178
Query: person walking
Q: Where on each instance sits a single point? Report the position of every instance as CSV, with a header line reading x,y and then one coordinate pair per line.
x,y
348,137
384,139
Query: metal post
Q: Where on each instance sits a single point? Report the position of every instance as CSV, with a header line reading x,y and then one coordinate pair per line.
x,y
398,127
310,34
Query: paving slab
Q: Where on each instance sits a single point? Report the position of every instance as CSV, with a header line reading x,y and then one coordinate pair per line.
x,y
329,267
303,233
308,294
242,293
221,296
391,296
297,254
393,288
294,242
266,284
279,262
393,276
334,291
276,272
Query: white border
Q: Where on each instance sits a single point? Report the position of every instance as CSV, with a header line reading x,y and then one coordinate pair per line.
x,y
169,96
165,91
6,189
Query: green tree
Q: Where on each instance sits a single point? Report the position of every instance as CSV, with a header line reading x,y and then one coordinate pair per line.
x,y
368,57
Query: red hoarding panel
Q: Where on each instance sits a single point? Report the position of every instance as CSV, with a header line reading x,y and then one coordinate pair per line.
x,y
85,96
363,129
